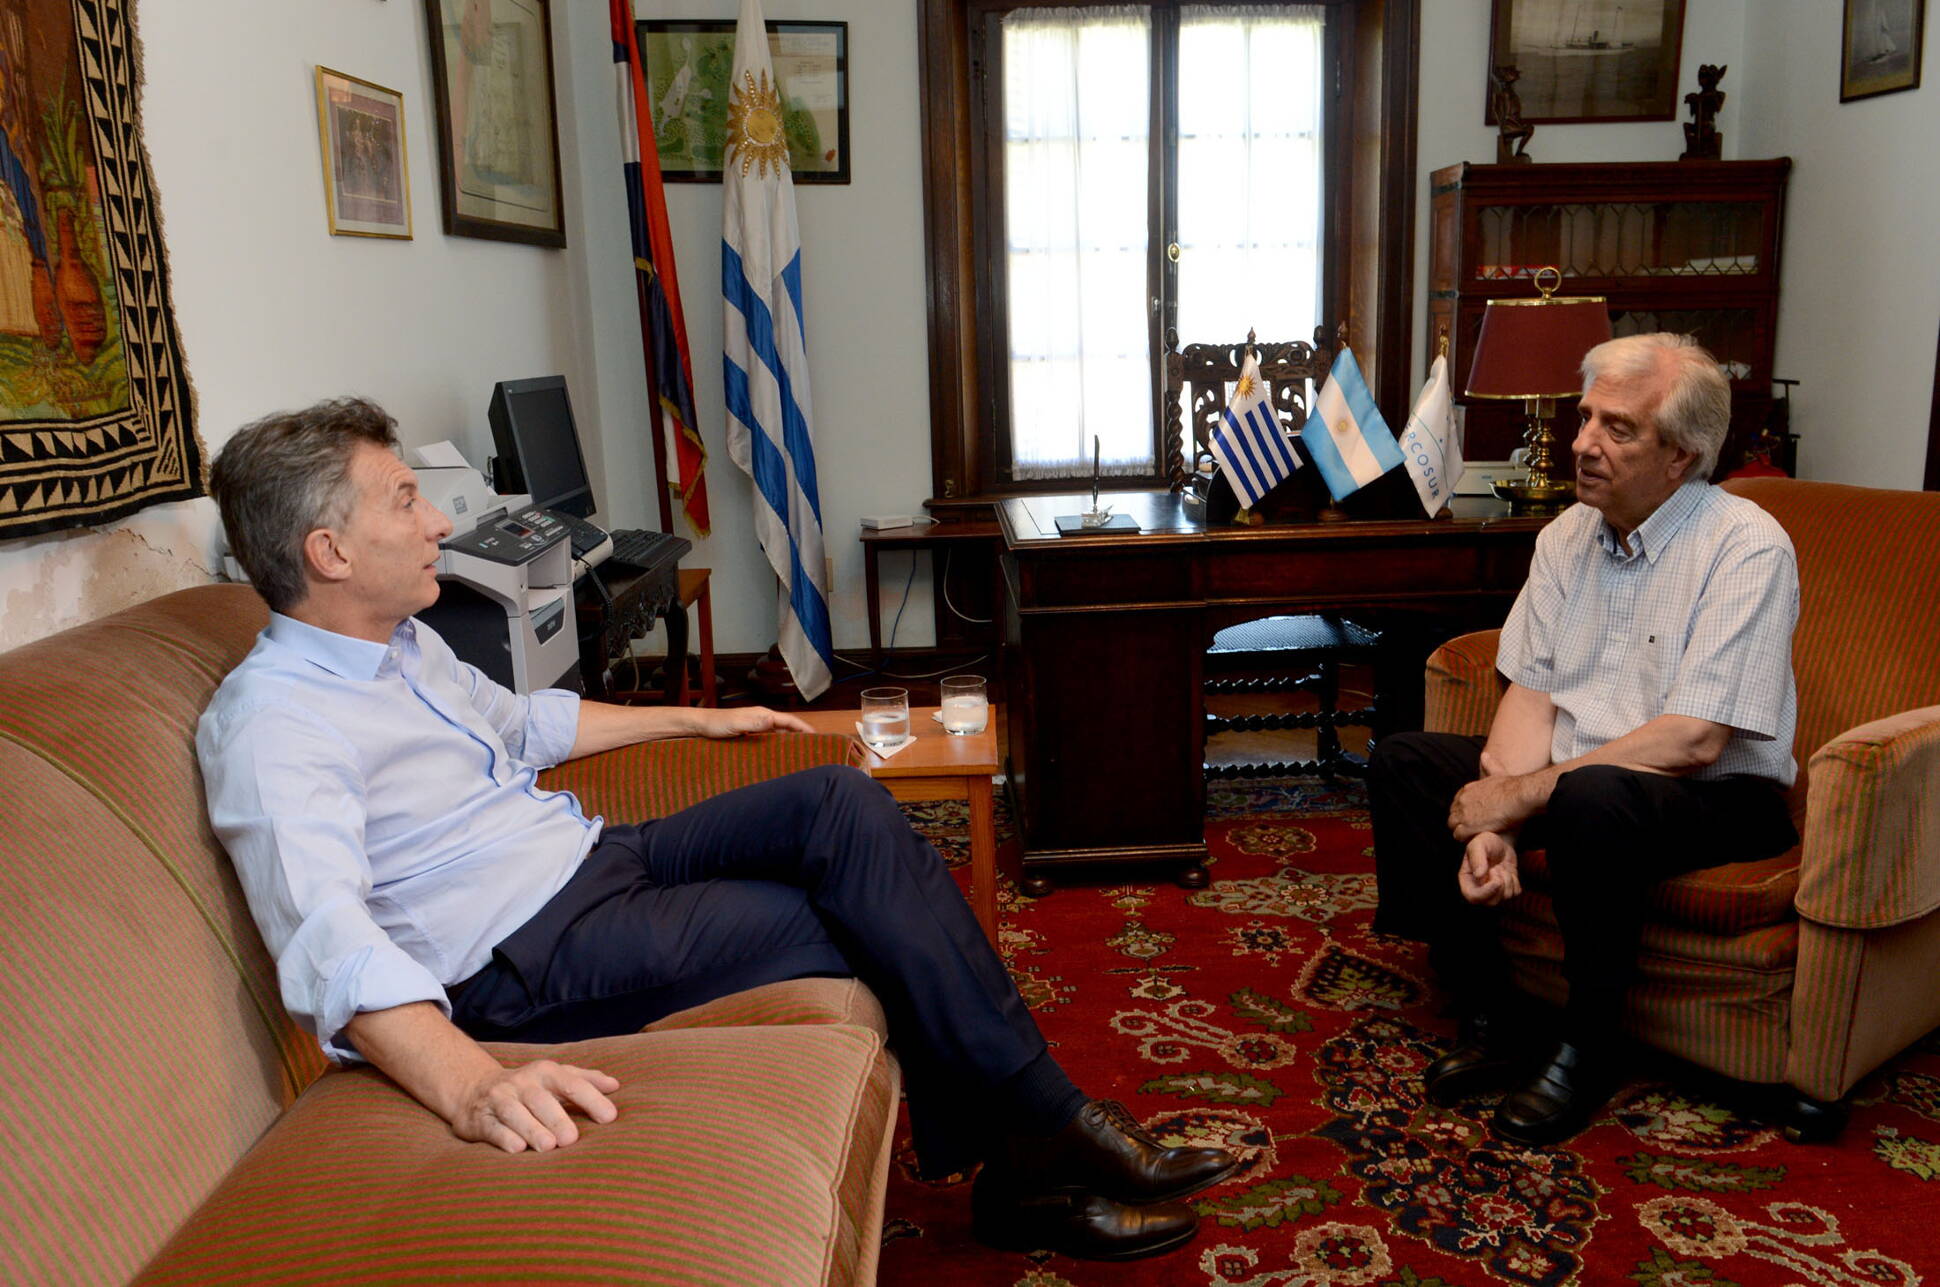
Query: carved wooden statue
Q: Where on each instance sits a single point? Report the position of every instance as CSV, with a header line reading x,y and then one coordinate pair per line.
x,y
1702,142
1512,132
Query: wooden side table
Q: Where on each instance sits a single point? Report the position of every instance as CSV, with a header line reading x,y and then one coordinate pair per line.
x,y
941,767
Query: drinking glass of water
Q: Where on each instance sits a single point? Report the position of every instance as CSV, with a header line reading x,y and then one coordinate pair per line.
x,y
885,718
966,705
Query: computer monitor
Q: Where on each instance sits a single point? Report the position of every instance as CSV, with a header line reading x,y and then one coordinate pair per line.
x,y
538,445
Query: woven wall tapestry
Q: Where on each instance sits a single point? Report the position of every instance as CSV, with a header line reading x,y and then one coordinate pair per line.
x,y
96,413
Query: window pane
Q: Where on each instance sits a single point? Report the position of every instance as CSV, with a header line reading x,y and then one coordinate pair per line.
x,y
1076,111
1251,84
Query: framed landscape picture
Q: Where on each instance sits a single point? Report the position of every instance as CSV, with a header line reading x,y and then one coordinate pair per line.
x,y
1590,60
366,182
688,65
1880,53
498,127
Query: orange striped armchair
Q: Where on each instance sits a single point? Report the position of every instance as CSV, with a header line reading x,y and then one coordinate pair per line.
x,y
1811,969
166,1122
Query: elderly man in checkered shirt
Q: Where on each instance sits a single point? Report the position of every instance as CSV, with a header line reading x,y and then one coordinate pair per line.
x,y
1646,732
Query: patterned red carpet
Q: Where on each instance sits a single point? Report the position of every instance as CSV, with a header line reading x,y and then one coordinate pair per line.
x,y
1262,1014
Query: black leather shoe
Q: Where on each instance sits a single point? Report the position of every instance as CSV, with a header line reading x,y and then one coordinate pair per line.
x,y
1481,1061
1075,1223
1559,1100
1104,1150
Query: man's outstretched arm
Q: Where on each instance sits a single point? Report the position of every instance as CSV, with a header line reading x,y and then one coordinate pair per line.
x,y
456,1078
603,726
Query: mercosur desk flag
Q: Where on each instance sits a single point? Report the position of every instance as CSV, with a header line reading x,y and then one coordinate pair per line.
x,y
1430,445
663,327
765,359
1248,443
1345,436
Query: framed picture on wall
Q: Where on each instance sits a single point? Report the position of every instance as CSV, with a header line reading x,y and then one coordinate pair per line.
x,y
688,65
1881,50
498,127
366,182
1589,60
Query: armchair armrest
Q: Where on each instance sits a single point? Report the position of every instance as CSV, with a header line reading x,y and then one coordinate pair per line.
x,y
1463,686
653,779
1871,851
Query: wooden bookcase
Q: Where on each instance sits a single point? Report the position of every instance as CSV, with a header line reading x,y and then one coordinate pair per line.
x,y
1675,246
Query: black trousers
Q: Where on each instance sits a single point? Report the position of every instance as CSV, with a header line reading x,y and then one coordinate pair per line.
x,y
812,874
1610,834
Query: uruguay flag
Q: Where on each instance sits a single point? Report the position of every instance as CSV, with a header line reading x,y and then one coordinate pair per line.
x,y
765,360
1248,443
1346,437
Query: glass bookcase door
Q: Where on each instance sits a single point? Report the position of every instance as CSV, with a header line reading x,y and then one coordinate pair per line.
x,y
1621,239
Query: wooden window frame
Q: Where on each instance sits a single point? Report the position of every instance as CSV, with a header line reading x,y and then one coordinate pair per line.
x,y
1370,288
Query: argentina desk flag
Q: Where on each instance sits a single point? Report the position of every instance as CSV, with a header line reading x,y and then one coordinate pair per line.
x,y
764,355
1248,443
1346,438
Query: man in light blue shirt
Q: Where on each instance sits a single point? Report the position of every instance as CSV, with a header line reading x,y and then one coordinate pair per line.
x,y
419,892
1646,731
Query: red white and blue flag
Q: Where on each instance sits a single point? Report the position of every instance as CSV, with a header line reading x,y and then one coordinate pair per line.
x,y
663,327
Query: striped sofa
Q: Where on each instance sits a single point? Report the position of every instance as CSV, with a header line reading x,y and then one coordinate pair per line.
x,y
1810,969
166,1123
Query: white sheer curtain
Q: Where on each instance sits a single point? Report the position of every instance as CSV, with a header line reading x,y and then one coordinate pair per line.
x,y
1251,83
1076,116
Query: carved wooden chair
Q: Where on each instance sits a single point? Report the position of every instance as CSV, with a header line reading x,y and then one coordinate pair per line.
x,y
1276,654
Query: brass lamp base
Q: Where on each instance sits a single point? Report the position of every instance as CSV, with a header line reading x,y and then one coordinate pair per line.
x,y
1528,496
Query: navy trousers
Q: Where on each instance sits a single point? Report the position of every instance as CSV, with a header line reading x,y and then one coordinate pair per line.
x,y
1610,834
812,874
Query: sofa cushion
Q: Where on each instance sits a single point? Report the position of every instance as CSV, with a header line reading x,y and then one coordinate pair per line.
x,y
1731,899
742,1155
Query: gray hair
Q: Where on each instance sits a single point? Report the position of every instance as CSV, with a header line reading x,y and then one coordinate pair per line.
x,y
1696,411
283,477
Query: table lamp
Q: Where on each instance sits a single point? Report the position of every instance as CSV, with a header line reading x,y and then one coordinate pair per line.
x,y
1532,349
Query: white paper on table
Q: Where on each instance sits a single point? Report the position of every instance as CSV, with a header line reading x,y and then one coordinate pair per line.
x,y
903,745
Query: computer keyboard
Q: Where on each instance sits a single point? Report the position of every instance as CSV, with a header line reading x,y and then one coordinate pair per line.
x,y
584,535
642,549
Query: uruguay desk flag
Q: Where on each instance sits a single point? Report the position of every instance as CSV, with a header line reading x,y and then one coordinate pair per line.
x,y
663,327
1248,443
1430,445
1346,437
765,360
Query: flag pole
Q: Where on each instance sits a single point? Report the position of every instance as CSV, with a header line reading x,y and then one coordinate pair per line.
x,y
664,487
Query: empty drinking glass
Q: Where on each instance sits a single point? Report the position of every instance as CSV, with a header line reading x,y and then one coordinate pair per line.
x,y
966,705
885,718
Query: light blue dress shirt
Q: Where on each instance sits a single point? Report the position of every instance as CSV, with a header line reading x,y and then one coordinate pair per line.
x,y
1695,618
379,804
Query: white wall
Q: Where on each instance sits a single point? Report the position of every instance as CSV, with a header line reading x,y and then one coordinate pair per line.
x,y
1861,301
276,313
273,311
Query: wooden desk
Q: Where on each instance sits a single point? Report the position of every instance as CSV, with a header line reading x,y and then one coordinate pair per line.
x,y
941,767
1105,638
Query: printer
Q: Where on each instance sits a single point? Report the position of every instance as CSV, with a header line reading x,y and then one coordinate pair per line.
x,y
506,571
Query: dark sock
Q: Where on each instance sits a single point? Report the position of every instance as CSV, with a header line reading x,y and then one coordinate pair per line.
x,y
1040,1098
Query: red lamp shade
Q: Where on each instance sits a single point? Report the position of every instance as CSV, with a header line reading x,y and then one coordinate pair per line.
x,y
1533,348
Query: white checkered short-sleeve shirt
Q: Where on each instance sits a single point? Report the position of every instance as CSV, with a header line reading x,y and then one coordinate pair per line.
x,y
1695,620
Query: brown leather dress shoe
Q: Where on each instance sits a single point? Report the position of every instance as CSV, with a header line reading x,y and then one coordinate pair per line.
x,y
1104,1150
1073,1222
